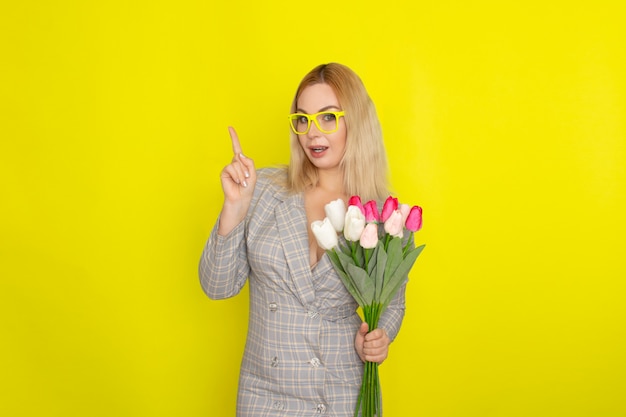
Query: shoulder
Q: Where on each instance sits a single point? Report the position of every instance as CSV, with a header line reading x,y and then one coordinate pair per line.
x,y
272,175
270,182
269,191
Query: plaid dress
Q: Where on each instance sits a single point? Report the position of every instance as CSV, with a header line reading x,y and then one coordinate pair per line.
x,y
299,358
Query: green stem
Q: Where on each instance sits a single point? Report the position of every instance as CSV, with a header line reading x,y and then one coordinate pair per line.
x,y
353,251
408,245
368,255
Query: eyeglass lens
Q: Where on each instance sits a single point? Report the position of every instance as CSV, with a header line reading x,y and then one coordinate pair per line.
x,y
326,122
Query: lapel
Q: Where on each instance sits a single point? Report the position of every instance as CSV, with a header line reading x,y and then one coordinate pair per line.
x,y
292,228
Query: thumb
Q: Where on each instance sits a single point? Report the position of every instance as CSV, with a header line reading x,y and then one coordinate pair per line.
x,y
363,329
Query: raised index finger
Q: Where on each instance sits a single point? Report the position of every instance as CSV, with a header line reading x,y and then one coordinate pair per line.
x,y
235,139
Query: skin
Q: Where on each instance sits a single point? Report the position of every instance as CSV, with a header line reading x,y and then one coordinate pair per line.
x,y
238,180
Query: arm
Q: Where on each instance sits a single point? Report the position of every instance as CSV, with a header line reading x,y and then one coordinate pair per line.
x,y
224,265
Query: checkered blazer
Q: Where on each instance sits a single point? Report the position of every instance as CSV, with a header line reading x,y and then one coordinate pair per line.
x,y
299,358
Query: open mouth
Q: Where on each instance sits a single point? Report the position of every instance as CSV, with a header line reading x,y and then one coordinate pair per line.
x,y
319,149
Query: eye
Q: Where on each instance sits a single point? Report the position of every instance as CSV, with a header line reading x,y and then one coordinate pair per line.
x,y
328,117
303,119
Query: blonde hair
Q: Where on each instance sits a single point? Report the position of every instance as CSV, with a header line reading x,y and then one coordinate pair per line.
x,y
364,164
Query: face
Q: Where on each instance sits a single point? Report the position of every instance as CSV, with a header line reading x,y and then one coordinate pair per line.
x,y
324,150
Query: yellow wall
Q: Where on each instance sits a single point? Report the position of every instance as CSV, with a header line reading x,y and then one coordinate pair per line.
x,y
505,122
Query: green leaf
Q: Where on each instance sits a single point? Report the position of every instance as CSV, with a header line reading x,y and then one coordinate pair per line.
x,y
381,262
334,259
360,256
363,282
394,257
345,249
371,253
400,276
345,278
346,263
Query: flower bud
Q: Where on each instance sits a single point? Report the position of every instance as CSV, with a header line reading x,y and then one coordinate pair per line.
x,y
354,224
355,200
390,205
404,209
394,225
336,213
414,220
371,212
369,237
325,234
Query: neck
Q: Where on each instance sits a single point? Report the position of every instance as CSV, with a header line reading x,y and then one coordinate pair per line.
x,y
331,181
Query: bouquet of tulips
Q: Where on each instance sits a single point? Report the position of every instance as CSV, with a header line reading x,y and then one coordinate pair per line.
x,y
373,265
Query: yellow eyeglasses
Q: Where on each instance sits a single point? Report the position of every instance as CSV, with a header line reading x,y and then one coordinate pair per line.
x,y
326,121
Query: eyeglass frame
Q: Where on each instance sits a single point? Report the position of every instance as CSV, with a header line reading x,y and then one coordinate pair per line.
x,y
313,117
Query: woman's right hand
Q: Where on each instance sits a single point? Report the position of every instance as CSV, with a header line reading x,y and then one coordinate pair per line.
x,y
238,181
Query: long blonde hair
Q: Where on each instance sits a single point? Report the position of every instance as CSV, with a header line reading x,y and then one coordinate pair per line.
x,y
364,163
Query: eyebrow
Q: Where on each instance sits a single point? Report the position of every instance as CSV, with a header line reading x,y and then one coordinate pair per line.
x,y
332,106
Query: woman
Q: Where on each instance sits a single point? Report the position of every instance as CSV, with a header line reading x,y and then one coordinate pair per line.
x,y
306,344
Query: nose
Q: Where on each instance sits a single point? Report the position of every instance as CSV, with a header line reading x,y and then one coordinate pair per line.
x,y
314,131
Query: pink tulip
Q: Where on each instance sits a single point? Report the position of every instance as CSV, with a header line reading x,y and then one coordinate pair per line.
x,y
404,209
393,225
369,237
414,220
391,204
371,212
355,200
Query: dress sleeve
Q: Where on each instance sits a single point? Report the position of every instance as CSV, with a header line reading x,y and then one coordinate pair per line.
x,y
224,264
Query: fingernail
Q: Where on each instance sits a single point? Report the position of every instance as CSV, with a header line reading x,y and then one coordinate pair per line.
x,y
245,184
247,174
242,155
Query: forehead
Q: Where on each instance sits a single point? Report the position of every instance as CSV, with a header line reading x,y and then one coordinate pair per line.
x,y
317,97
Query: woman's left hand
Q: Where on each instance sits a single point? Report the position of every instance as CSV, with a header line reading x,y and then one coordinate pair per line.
x,y
372,346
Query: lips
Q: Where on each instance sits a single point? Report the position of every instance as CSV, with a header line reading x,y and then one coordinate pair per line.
x,y
318,149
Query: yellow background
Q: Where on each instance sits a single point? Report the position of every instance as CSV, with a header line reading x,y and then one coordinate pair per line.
x,y
505,121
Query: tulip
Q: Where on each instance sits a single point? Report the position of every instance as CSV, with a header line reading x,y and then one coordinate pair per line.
x,y
404,209
325,234
355,200
369,237
354,224
394,225
390,205
336,213
414,220
371,212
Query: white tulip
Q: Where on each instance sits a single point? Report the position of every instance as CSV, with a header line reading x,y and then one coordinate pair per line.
x,y
354,224
336,212
325,234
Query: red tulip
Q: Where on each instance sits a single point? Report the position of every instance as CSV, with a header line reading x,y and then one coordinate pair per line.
x,y
391,205
371,212
414,220
355,200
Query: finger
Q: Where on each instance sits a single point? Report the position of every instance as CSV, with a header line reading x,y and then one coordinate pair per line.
x,y
235,140
376,358
248,164
376,334
235,173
